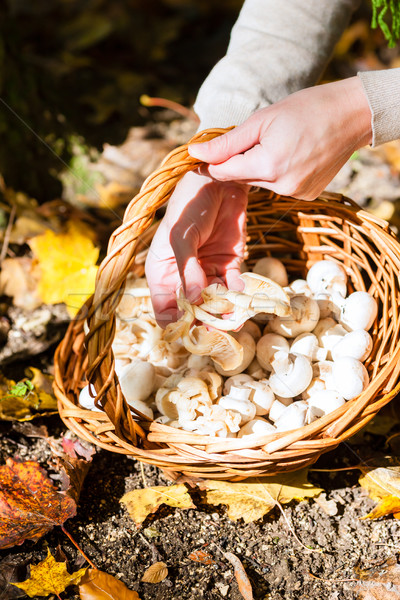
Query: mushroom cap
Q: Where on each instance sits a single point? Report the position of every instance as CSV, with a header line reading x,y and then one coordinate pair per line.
x,y
261,395
327,275
307,345
137,381
253,329
267,346
238,380
293,417
359,311
277,408
86,400
304,317
350,377
330,337
248,345
293,380
255,370
323,402
255,428
245,408
317,384
357,344
273,269
299,286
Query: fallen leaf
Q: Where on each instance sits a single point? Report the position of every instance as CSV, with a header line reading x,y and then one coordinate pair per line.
x,y
253,499
141,503
381,478
28,398
380,583
155,573
75,448
29,430
30,505
97,585
19,281
49,577
9,567
201,557
66,263
241,576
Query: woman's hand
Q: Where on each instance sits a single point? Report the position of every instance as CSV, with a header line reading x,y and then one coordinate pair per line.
x,y
296,146
199,241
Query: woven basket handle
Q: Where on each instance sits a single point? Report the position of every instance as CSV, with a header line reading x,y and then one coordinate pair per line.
x,y
113,271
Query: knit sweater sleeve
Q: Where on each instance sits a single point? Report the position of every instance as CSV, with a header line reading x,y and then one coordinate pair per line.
x,y
276,48
382,89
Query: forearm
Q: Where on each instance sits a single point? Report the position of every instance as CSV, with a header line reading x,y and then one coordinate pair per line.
x,y
382,89
275,49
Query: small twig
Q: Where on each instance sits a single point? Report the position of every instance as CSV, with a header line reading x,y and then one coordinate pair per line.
x,y
7,234
325,580
146,100
143,475
78,547
332,470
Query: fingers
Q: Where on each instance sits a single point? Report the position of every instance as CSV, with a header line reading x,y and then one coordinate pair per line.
x,y
254,165
225,146
185,242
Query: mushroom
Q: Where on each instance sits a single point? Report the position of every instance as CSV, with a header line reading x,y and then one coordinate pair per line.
x,y
299,286
273,269
248,344
238,400
292,376
317,384
87,398
254,370
330,304
304,317
327,275
330,337
256,428
357,343
198,362
307,345
323,370
324,402
350,377
253,329
268,346
239,380
359,311
137,382
293,417
261,395
277,408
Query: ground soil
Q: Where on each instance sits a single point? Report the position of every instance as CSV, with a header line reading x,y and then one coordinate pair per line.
x,y
277,565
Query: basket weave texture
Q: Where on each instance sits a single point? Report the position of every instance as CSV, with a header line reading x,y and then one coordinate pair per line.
x,y
297,232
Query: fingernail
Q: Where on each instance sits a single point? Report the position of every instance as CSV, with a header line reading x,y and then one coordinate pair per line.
x,y
193,293
193,150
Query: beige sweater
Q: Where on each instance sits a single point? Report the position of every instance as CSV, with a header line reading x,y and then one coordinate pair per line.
x,y
280,46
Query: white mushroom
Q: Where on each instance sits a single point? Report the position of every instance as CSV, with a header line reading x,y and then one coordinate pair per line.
x,y
307,345
253,329
249,349
330,304
239,380
86,400
323,370
277,408
256,428
326,275
359,311
298,286
357,343
273,269
323,325
137,382
292,376
324,402
268,346
350,377
261,395
255,371
239,402
304,317
330,337
293,417
198,362
317,384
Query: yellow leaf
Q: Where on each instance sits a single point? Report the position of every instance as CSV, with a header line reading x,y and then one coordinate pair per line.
x,y
155,573
140,503
49,577
253,499
67,266
28,398
383,485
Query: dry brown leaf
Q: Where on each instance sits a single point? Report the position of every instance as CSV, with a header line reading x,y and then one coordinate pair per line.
x,y
201,557
155,573
49,577
382,481
97,585
141,503
19,281
28,398
380,583
252,499
241,576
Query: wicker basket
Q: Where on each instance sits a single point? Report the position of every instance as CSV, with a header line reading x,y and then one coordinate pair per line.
x,y
299,233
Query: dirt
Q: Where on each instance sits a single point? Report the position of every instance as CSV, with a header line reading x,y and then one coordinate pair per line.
x,y
340,546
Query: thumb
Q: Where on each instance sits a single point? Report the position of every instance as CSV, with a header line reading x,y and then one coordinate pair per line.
x,y
225,146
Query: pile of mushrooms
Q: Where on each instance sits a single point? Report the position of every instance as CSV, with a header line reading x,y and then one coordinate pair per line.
x,y
274,357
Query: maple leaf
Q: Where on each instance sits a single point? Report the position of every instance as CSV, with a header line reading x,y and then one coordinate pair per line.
x,y
97,585
49,577
26,399
30,505
140,503
381,478
67,266
252,499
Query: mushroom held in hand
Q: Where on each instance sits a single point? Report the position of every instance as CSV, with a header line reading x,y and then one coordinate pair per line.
x,y
304,317
273,269
293,375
